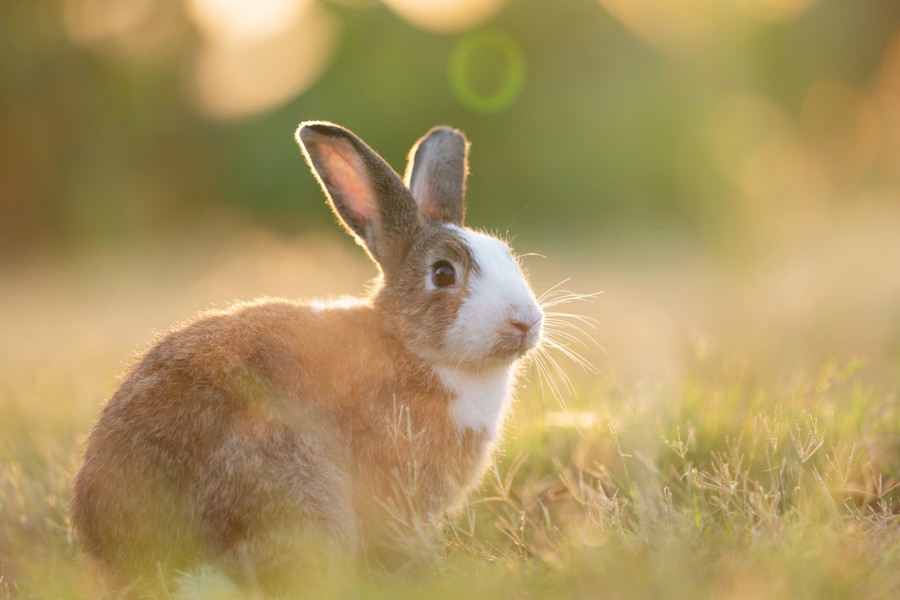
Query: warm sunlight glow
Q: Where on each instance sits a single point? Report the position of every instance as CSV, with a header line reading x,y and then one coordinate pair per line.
x,y
740,125
772,166
244,20
232,81
446,15
138,29
783,175
886,104
669,24
685,24
94,20
772,10
842,124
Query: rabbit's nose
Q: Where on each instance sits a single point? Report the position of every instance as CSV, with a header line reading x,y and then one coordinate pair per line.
x,y
525,323
522,327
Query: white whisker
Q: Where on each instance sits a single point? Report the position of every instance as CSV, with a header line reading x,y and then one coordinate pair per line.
x,y
589,321
557,393
542,361
561,335
571,332
574,356
563,297
563,332
550,290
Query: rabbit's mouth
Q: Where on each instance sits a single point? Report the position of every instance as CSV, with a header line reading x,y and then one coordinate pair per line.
x,y
516,341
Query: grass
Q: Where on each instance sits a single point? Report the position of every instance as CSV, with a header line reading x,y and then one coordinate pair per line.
x,y
728,448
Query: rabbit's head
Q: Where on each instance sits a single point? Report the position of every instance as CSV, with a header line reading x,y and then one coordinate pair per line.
x,y
454,296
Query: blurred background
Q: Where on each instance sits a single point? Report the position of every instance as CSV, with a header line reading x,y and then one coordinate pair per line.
x,y
723,169
726,172
720,123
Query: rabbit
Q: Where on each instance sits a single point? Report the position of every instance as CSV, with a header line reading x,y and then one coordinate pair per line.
x,y
278,438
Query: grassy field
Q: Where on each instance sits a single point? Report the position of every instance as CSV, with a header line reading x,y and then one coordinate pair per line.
x,y
740,438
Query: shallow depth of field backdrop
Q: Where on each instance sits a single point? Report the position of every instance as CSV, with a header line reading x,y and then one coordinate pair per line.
x,y
726,172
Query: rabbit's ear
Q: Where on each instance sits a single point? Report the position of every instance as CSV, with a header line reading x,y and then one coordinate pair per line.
x,y
364,191
436,174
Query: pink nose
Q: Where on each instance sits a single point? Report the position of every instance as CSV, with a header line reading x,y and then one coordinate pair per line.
x,y
524,325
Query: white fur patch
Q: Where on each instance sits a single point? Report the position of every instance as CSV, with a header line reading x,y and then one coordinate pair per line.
x,y
498,294
481,398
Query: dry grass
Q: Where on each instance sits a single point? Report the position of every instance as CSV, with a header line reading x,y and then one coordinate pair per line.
x,y
741,440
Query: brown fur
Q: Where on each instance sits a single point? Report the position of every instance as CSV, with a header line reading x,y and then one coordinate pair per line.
x,y
278,439
248,431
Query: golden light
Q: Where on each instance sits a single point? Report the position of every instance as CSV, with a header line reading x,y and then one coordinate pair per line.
x,y
889,78
244,21
446,16
842,124
785,182
779,178
886,103
687,24
772,10
236,79
97,20
740,125
139,29
668,24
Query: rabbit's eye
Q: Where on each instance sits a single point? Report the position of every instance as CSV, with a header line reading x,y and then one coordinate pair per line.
x,y
443,274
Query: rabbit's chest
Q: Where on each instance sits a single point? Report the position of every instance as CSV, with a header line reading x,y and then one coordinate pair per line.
x,y
478,401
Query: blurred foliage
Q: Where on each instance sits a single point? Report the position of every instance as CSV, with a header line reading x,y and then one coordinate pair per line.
x,y
768,124
123,119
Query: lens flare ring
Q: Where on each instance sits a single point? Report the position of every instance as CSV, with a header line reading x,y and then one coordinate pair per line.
x,y
467,50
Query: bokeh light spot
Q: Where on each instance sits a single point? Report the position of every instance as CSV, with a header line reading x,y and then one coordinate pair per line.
x,y
139,30
445,16
237,21
740,125
665,24
773,11
236,80
842,124
886,104
97,20
487,71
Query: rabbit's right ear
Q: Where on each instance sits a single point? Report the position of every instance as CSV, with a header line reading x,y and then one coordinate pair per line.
x,y
364,191
436,174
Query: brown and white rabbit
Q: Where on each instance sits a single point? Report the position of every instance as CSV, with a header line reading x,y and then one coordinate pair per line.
x,y
277,437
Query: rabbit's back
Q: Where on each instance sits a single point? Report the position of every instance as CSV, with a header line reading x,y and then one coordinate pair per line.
x,y
222,434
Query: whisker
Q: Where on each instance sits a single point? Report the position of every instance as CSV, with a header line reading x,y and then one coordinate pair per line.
x,y
572,332
567,384
574,329
543,375
549,290
574,356
561,316
569,387
542,360
561,335
563,297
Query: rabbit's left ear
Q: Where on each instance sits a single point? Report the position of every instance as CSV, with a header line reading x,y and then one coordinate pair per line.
x,y
364,191
436,174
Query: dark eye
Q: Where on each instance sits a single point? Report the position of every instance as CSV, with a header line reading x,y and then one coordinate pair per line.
x,y
443,274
